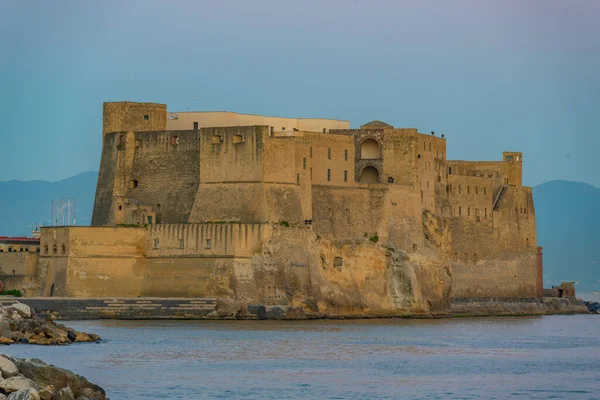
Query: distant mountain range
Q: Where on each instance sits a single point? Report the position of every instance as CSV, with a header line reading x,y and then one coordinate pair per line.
x,y
568,221
23,204
568,226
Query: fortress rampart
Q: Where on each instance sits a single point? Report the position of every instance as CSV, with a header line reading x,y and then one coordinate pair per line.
x,y
304,214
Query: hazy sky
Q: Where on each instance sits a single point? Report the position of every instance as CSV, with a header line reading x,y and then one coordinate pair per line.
x,y
492,75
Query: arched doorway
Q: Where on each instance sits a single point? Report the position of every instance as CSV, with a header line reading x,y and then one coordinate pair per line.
x,y
369,149
369,174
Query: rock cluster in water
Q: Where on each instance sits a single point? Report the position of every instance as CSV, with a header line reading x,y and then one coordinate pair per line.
x,y
593,306
33,379
20,324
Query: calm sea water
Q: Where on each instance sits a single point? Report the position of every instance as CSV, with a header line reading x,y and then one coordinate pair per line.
x,y
555,357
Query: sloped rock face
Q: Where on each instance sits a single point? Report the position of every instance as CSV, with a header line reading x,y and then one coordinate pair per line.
x,y
34,379
20,324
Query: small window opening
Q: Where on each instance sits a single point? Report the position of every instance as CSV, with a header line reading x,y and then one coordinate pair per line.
x,y
283,128
175,140
54,249
476,190
469,211
238,139
63,249
450,170
419,156
207,244
329,153
156,243
133,183
297,179
146,117
14,272
324,130
346,155
468,189
484,191
181,243
459,189
459,210
337,261
328,174
310,152
195,126
348,215
429,146
311,173
345,175
390,179
217,139
485,212
45,249
304,163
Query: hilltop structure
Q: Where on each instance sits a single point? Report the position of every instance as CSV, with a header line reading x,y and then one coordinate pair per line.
x,y
304,215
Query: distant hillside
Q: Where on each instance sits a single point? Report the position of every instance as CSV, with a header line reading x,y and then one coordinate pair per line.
x,y
24,203
568,225
568,220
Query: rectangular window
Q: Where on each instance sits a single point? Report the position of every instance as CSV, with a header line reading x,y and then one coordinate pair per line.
x,y
328,174
156,243
459,189
346,155
345,176
207,244
217,139
146,118
468,189
484,191
329,153
149,219
311,173
297,179
181,243
304,163
485,215
310,152
476,190
238,139
459,210
469,211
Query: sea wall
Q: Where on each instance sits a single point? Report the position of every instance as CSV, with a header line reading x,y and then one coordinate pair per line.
x,y
499,306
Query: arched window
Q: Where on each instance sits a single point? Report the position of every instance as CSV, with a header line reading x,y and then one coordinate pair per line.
x,y
369,149
54,249
369,174
64,250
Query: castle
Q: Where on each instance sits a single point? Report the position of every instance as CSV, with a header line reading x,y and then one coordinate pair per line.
x,y
306,215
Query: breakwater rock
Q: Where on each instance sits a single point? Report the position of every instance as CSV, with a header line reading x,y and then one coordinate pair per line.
x,y
33,379
593,307
20,324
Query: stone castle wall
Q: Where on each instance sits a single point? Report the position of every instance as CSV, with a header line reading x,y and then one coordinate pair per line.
x,y
370,221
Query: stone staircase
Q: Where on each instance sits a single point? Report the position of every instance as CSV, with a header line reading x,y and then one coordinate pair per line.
x,y
499,195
